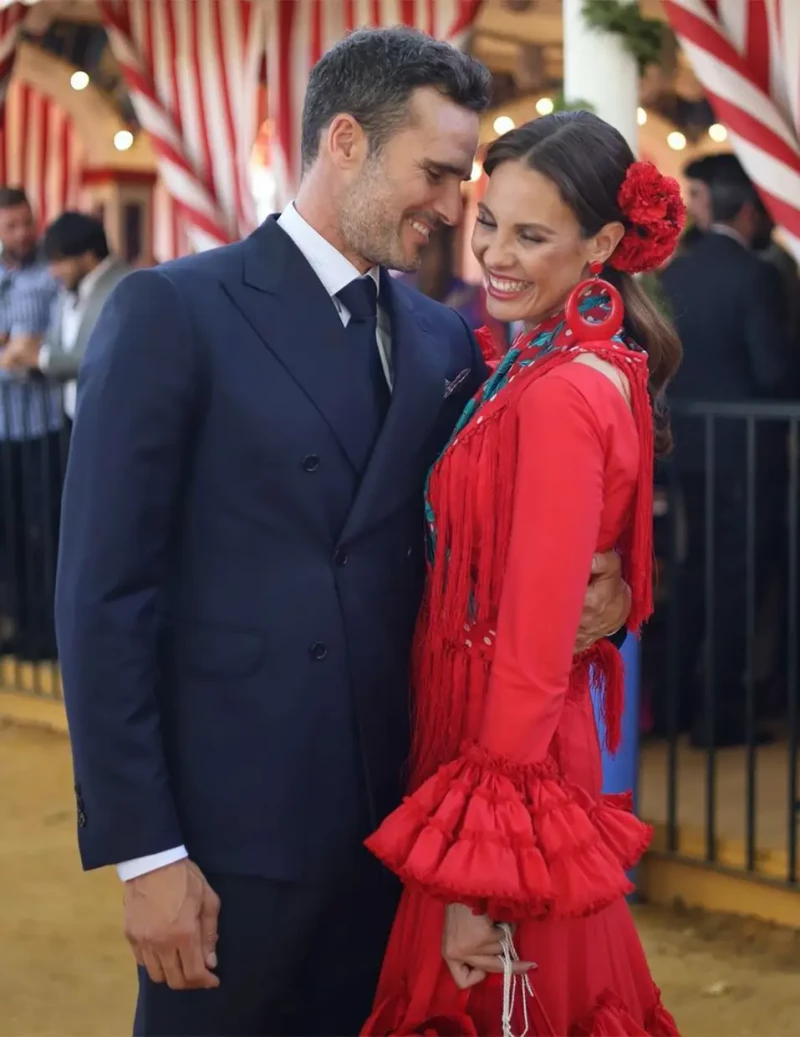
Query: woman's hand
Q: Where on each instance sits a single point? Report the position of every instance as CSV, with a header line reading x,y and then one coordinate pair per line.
x,y
472,948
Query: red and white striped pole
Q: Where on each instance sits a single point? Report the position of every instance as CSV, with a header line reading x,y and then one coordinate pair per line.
x,y
206,224
11,18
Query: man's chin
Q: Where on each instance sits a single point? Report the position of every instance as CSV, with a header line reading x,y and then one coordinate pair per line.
x,y
407,264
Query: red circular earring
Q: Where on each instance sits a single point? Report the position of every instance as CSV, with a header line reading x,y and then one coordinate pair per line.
x,y
593,330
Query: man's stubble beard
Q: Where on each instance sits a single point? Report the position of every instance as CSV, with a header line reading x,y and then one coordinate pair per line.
x,y
20,258
367,221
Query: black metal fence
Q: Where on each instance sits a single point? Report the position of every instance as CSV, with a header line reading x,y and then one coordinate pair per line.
x,y
34,441
726,678
727,543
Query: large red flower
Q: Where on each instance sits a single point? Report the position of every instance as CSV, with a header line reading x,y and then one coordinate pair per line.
x,y
652,205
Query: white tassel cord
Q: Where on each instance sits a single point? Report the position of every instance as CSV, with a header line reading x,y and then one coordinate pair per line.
x,y
512,983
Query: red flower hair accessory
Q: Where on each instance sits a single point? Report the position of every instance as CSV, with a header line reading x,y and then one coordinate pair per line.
x,y
652,205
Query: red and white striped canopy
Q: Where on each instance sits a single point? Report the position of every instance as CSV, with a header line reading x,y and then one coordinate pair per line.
x,y
40,148
299,33
39,145
192,69
746,53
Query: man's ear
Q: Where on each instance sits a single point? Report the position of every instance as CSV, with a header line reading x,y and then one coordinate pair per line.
x,y
345,141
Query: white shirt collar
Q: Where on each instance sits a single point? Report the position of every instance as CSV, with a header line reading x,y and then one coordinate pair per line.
x,y
729,232
91,279
330,266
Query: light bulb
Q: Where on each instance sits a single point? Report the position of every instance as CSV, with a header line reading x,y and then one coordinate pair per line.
x,y
123,140
641,116
676,140
502,124
79,80
718,133
545,105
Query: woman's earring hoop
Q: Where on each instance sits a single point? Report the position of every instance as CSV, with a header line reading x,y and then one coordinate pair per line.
x,y
593,330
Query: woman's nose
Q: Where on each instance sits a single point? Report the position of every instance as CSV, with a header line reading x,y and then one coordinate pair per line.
x,y
497,256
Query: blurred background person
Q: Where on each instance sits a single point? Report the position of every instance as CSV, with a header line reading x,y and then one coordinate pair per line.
x,y
698,175
31,418
76,249
729,307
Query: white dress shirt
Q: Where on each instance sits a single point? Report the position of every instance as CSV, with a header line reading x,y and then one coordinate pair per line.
x,y
72,312
335,272
729,232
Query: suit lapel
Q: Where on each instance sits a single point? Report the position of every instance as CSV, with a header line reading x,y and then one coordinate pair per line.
x,y
289,309
94,304
55,334
419,368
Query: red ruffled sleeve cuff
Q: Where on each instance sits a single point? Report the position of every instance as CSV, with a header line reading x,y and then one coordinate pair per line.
x,y
514,841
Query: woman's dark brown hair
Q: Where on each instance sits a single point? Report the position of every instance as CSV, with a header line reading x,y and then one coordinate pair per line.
x,y
587,160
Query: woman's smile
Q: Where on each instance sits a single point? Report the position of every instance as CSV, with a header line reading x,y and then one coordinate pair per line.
x,y
505,288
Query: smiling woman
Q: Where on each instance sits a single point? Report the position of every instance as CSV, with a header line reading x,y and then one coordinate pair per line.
x,y
549,465
530,266
548,215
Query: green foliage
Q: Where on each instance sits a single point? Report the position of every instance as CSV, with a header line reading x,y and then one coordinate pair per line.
x,y
563,105
642,37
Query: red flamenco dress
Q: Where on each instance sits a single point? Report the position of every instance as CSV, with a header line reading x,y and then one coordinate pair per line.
x,y
549,464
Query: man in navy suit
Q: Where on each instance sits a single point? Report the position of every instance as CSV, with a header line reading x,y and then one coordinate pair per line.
x,y
241,559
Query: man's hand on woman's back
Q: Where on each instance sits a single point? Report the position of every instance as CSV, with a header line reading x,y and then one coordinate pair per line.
x,y
607,604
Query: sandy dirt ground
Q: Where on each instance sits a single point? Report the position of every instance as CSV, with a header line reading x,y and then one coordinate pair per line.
x,y
65,970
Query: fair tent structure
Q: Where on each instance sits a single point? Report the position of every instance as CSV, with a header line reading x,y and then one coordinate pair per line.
x,y
743,55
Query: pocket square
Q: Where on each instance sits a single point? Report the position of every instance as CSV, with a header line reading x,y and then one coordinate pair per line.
x,y
460,378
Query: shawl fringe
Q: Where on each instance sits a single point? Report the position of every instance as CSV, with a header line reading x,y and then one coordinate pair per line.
x,y
471,490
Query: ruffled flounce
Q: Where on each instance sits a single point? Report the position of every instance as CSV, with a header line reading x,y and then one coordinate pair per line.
x,y
611,1018
455,1024
512,841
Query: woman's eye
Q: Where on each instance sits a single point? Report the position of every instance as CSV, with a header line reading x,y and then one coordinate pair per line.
x,y
531,240
484,222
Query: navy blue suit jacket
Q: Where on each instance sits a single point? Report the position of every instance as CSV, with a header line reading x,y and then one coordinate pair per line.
x,y
234,603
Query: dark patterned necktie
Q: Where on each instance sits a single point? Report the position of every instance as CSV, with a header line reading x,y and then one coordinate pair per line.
x,y
361,299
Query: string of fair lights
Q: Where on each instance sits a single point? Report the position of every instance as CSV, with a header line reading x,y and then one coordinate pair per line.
x,y
676,140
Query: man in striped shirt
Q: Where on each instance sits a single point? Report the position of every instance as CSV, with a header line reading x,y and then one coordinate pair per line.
x,y
31,418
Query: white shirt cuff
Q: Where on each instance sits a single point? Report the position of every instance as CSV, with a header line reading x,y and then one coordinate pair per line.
x,y
44,358
128,870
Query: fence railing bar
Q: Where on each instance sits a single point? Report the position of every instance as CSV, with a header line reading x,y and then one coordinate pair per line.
x,y
750,644
763,410
791,645
673,663
709,689
11,568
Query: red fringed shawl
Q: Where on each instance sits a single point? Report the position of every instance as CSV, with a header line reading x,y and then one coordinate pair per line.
x,y
470,503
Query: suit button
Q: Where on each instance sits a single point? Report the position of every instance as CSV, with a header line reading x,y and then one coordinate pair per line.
x,y
81,819
341,556
311,463
318,652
